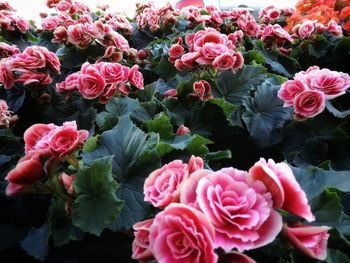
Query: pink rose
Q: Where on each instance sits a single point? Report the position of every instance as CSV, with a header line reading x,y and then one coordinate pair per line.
x,y
179,65
60,35
124,89
212,50
66,139
112,72
140,246
240,210
31,58
91,84
28,77
50,23
64,6
119,41
67,181
334,28
163,185
224,61
28,171
37,138
189,59
6,75
309,103
202,90
289,90
108,93
181,233
7,50
22,25
238,60
310,240
135,77
176,51
332,83
251,28
77,36
194,164
5,115
69,84
182,130
284,188
306,29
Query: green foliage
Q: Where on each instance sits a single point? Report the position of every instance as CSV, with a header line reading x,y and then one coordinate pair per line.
x,y
36,243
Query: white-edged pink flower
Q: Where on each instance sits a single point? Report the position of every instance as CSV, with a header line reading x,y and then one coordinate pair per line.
x,y
289,90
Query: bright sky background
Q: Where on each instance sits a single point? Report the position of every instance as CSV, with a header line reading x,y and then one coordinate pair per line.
x,y
30,9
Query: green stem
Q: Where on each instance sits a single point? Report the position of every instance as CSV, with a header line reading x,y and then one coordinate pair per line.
x,y
72,160
44,188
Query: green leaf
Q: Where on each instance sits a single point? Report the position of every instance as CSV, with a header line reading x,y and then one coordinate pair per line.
x,y
233,86
314,180
227,107
197,145
336,256
327,208
254,55
337,113
264,115
90,144
62,229
219,155
165,69
36,243
96,205
33,39
131,166
161,124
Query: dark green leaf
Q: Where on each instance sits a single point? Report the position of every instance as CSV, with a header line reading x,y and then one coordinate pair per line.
x,y
264,115
335,256
161,124
219,155
36,243
96,205
337,113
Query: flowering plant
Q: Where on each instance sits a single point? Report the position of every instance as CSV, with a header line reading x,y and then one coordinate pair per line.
x,y
192,135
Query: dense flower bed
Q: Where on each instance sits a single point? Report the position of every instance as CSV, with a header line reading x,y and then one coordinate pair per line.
x,y
192,135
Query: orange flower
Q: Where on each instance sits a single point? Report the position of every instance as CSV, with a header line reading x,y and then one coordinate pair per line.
x,y
345,13
346,27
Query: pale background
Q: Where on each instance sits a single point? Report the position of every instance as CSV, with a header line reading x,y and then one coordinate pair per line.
x,y
30,9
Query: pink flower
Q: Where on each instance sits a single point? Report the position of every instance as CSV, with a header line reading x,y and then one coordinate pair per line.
x,y
309,103
181,233
7,50
77,36
163,185
91,84
64,6
332,83
69,84
140,246
188,59
142,54
31,58
22,25
67,181
202,90
284,188
108,93
135,77
310,240
224,61
112,72
66,139
251,28
334,28
176,51
37,139
50,23
182,130
5,115
306,29
289,90
241,211
28,77
179,65
171,93
6,75
212,50
238,60
28,171
194,164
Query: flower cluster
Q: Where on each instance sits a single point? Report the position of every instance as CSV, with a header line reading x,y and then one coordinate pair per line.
x,y
5,114
10,21
118,22
308,91
206,48
308,29
33,65
73,24
228,209
154,18
43,143
322,12
102,80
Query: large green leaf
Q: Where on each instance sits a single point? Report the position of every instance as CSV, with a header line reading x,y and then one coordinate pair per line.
x,y
233,86
336,256
161,124
264,115
127,144
96,205
314,180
